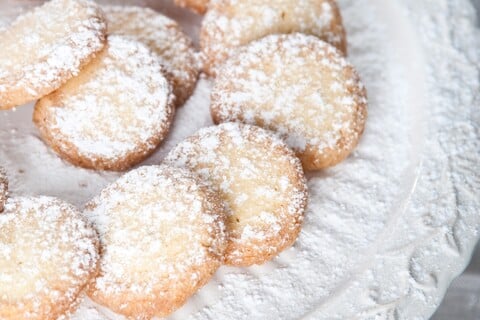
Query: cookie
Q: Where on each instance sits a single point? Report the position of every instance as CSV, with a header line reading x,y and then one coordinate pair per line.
x,y
114,114
162,237
164,37
300,87
48,255
198,6
229,24
44,48
3,188
260,180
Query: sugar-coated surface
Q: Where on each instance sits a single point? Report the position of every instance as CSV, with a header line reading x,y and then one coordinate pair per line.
x,y
164,36
115,113
384,232
44,48
162,236
229,24
48,253
260,180
345,213
299,87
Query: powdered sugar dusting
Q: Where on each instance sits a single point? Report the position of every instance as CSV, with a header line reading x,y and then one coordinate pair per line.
x,y
121,106
336,267
259,178
48,253
162,236
229,24
299,87
42,49
164,37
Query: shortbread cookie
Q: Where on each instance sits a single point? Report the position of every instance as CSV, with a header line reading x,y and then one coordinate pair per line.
x,y
44,48
229,24
260,180
300,87
3,188
162,237
164,37
48,255
114,114
199,6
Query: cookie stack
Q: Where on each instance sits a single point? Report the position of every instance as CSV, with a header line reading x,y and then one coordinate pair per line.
x,y
107,81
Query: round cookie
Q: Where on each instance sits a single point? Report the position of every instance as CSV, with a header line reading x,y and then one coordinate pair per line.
x,y
164,37
162,237
260,180
48,255
3,188
199,6
230,24
114,114
300,87
44,48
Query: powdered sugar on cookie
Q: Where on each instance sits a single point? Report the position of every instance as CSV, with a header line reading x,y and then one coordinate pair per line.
x,y
260,180
162,237
229,24
299,87
44,48
48,253
114,114
164,37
